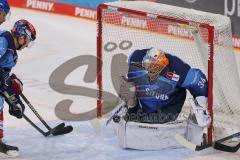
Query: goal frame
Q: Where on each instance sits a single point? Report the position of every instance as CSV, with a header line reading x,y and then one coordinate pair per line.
x,y
210,42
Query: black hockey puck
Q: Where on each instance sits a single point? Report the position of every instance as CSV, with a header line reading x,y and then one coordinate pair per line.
x,y
116,119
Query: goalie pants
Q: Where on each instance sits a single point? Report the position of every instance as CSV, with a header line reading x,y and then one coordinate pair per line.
x,y
164,115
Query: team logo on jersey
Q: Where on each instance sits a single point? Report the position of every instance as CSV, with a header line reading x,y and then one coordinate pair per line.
x,y
173,76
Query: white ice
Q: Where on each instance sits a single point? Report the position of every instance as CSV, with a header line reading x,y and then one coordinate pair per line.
x,y
60,38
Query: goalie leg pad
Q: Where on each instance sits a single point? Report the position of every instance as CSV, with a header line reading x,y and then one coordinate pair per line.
x,y
145,136
194,133
120,131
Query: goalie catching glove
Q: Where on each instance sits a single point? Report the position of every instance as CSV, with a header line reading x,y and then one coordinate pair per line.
x,y
200,110
127,92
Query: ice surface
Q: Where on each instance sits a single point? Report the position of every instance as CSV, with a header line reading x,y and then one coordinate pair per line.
x,y
59,39
84,143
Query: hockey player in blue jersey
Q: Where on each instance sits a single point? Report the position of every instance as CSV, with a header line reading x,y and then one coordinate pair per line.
x,y
22,35
4,10
154,92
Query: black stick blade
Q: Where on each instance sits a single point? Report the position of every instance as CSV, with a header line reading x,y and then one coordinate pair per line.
x,y
62,125
223,147
61,130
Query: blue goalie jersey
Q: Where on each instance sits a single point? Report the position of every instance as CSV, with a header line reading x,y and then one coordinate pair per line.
x,y
170,87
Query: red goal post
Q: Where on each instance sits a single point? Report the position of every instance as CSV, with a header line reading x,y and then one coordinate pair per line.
x,y
200,44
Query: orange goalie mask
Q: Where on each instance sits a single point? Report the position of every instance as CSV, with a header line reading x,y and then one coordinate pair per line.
x,y
154,62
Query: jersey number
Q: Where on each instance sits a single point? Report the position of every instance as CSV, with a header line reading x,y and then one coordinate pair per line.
x,y
202,82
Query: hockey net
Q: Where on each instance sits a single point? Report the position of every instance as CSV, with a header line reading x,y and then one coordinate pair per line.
x,y
203,40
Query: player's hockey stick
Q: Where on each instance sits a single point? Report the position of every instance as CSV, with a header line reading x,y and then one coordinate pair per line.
x,y
10,102
58,130
36,127
35,112
217,144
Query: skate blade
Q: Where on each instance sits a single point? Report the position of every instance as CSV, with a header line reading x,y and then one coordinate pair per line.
x,y
9,154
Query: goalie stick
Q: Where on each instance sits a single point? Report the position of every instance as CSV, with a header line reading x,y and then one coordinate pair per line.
x,y
217,144
118,109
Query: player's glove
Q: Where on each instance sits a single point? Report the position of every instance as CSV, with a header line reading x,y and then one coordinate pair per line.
x,y
200,110
16,108
16,84
127,92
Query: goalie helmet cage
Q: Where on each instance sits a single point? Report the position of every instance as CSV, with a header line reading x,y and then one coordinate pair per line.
x,y
201,39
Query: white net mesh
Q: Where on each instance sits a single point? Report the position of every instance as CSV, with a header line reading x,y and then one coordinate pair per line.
x,y
124,32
